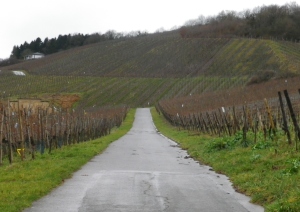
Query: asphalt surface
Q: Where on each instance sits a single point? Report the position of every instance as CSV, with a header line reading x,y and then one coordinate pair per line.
x,y
144,171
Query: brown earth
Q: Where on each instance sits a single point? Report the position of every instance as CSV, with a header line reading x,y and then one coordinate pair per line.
x,y
64,101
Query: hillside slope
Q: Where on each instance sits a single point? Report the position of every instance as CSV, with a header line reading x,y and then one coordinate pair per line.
x,y
141,71
168,55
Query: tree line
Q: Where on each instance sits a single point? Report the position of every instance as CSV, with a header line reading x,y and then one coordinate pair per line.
x,y
273,21
64,42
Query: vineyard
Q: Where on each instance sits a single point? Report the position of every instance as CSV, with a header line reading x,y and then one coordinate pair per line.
x,y
168,55
225,87
39,127
251,109
141,71
186,77
250,134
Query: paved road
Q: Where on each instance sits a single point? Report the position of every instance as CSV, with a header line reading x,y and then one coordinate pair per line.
x,y
144,171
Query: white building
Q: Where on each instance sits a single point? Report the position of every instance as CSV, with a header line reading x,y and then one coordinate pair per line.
x,y
33,56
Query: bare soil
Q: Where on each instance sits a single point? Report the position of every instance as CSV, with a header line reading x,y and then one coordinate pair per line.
x,y
63,100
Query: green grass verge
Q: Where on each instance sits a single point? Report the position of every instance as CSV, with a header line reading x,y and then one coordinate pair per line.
x,y
24,182
268,171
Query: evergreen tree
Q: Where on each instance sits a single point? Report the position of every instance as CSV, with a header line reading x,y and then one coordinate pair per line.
x,y
16,53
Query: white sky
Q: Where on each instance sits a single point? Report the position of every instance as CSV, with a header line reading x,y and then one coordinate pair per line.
x,y
25,20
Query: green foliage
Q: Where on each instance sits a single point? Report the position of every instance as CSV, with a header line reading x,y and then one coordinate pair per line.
x,y
262,145
222,143
230,142
293,167
227,142
254,157
216,145
238,137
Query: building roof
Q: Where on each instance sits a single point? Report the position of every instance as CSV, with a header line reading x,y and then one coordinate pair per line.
x,y
37,53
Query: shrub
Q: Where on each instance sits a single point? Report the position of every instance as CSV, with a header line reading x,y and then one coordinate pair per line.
x,y
262,76
293,167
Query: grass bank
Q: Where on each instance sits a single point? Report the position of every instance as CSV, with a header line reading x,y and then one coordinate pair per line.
x,y
268,171
24,182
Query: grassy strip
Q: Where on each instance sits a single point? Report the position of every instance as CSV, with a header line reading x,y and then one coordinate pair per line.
x,y
268,171
24,182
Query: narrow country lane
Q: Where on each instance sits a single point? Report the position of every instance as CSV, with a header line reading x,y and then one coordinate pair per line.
x,y
144,171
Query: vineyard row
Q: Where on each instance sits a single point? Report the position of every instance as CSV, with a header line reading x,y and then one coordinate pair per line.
x,y
267,116
25,131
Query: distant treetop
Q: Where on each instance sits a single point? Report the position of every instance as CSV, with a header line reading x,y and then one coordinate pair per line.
x,y
277,22
63,42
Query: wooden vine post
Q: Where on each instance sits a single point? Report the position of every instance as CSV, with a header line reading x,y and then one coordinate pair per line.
x,y
41,133
22,138
270,116
29,134
285,125
218,125
22,152
245,127
256,123
60,130
1,136
235,121
9,137
213,130
293,116
49,134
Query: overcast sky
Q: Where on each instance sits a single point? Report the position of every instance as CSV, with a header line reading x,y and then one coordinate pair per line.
x,y
25,20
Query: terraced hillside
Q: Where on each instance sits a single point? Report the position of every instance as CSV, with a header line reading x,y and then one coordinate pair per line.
x,y
140,71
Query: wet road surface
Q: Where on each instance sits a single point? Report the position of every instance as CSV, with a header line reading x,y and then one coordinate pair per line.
x,y
144,171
